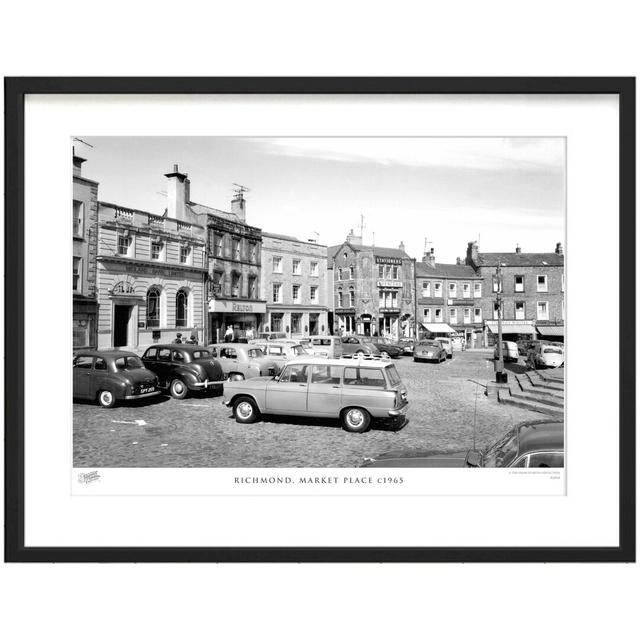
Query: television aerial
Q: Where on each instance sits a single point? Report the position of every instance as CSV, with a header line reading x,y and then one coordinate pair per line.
x,y
240,189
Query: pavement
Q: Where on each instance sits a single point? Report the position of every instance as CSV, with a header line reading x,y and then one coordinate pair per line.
x,y
447,404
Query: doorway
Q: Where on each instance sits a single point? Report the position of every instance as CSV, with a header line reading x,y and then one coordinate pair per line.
x,y
121,319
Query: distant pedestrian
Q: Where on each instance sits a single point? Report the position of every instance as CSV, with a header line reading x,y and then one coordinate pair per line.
x,y
193,339
228,334
178,339
250,333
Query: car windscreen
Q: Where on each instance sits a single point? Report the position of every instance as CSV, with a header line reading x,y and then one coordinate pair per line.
x,y
298,350
199,355
394,378
128,362
552,350
255,353
429,343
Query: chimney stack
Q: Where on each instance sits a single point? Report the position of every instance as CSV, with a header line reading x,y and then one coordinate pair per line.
x,y
239,206
77,164
177,189
429,258
458,260
353,239
472,253
518,249
559,249
401,246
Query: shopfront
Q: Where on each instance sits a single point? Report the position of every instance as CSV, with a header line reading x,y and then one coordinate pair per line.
x,y
512,330
345,321
245,318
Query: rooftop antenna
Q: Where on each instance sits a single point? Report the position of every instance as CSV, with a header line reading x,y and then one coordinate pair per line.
x,y
83,142
240,189
361,224
373,242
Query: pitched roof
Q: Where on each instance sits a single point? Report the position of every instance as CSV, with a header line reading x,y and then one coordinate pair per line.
x,y
425,270
521,259
201,209
382,252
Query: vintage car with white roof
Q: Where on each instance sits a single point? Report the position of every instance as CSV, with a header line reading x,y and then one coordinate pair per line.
x,y
354,390
240,361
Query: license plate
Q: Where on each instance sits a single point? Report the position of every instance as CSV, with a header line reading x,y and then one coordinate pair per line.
x,y
149,390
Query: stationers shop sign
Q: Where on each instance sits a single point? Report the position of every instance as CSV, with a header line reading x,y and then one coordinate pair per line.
x,y
384,260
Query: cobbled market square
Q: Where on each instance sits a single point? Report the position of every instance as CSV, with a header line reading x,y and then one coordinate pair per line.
x,y
356,301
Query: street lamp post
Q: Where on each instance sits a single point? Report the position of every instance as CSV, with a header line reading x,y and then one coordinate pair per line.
x,y
499,364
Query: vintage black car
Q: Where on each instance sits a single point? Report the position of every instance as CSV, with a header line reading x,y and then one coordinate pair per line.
x,y
533,444
111,376
182,368
388,346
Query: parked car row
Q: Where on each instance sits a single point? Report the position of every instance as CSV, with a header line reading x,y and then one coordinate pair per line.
x,y
537,353
109,377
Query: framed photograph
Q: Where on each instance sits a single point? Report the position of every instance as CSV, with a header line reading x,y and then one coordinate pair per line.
x,y
320,319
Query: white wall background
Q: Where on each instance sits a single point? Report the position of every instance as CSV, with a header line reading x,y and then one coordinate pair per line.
x,y
332,38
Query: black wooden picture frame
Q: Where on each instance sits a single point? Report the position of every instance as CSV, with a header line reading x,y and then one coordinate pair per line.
x,y
15,91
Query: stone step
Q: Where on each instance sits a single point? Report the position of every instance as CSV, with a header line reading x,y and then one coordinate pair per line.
x,y
525,385
551,375
538,381
554,401
504,397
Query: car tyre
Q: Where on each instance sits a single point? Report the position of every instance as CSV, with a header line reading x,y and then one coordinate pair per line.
x,y
355,420
106,398
245,410
359,352
235,377
178,389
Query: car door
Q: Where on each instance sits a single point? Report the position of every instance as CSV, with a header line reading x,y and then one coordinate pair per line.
x,y
162,366
288,394
149,359
82,372
325,390
100,375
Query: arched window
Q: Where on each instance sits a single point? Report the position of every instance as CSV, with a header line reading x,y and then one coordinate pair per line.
x,y
153,307
182,299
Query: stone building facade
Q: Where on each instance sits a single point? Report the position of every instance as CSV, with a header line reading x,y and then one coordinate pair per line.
x,y
294,286
449,296
532,292
373,289
234,270
151,272
85,244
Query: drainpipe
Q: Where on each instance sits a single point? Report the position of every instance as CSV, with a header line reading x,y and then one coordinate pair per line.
x,y
415,302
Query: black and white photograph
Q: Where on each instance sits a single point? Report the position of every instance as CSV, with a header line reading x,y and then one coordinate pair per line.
x,y
318,303
359,317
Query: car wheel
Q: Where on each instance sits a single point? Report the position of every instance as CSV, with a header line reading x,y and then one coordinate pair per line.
x,y
235,377
106,399
355,420
359,352
178,389
245,410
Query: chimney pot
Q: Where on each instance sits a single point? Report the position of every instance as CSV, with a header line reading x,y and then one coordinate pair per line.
x,y
518,249
559,250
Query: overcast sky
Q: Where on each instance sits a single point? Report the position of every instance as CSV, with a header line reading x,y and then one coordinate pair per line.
x,y
502,191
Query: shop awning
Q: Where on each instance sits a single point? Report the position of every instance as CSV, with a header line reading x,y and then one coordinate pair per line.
x,y
508,327
438,327
551,331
